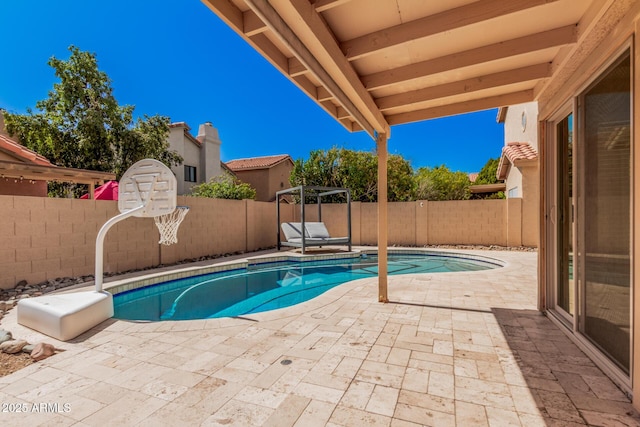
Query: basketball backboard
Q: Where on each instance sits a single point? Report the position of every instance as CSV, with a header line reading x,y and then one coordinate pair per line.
x,y
150,183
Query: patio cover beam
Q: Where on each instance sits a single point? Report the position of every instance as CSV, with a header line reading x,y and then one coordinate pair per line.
x,y
238,21
462,107
533,72
253,24
300,26
442,22
9,169
448,63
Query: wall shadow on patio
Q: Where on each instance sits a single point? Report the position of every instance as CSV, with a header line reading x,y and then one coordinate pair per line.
x,y
548,375
565,384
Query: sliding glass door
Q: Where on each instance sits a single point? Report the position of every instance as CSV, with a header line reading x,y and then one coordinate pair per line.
x,y
606,135
589,216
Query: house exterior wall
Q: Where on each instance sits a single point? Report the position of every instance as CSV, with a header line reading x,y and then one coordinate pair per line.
x,y
210,152
45,238
530,205
521,125
267,181
278,179
513,183
615,29
258,179
514,131
202,153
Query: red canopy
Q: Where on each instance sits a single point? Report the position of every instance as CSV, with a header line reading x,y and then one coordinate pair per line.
x,y
107,191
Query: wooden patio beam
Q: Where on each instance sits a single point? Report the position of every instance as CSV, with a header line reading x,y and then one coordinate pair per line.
x,y
322,5
462,107
252,24
236,20
583,28
372,119
518,46
488,81
442,22
313,33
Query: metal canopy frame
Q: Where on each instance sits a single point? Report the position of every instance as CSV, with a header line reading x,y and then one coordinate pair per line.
x,y
319,193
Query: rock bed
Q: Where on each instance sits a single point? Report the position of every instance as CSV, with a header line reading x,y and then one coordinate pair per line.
x,y
16,353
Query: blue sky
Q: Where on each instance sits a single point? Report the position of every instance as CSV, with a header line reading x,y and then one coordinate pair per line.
x,y
176,58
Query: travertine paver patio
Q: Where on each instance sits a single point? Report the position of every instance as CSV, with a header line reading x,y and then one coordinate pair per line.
x,y
466,349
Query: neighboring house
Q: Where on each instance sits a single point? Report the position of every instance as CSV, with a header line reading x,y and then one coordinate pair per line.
x,y
11,152
518,165
266,174
520,144
482,191
201,155
24,172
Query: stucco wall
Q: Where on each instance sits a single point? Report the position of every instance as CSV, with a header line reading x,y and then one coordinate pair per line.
x,y
190,152
267,181
530,206
513,130
258,179
482,222
45,238
278,179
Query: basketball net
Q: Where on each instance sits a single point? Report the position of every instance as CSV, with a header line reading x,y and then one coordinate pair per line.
x,y
168,225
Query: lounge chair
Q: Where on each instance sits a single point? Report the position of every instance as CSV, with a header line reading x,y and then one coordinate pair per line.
x,y
315,234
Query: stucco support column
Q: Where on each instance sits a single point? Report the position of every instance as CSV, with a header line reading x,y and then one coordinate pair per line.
x,y
381,144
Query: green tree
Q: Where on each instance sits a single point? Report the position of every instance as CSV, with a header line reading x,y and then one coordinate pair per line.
x,y
224,186
440,183
356,170
488,173
81,125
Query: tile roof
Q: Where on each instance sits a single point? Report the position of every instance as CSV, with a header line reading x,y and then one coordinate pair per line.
x,y
21,152
513,152
519,151
257,162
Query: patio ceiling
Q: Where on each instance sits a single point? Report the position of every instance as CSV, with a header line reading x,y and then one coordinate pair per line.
x,y
372,64
375,63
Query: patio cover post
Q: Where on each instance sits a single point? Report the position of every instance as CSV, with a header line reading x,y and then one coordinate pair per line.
x,y
381,144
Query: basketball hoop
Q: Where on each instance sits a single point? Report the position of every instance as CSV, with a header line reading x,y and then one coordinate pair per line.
x,y
168,225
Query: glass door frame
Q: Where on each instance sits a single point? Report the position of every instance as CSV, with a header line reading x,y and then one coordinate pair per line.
x,y
553,213
573,324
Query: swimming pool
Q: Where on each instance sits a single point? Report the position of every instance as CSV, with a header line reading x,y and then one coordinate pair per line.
x,y
271,285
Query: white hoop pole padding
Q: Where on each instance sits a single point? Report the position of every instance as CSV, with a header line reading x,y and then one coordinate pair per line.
x,y
168,225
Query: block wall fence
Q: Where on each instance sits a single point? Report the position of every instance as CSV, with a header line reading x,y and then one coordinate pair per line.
x,y
46,238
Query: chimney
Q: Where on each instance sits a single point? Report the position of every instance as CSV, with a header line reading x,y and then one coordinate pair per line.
x,y
210,150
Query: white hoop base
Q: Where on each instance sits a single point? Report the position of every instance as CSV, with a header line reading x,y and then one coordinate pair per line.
x,y
168,225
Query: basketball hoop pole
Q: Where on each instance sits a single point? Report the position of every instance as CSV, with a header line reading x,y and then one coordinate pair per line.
x,y
107,225
100,243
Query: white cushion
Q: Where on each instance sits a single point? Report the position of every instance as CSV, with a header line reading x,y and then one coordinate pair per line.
x,y
317,230
292,230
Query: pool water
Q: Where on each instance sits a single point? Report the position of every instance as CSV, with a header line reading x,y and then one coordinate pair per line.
x,y
269,286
